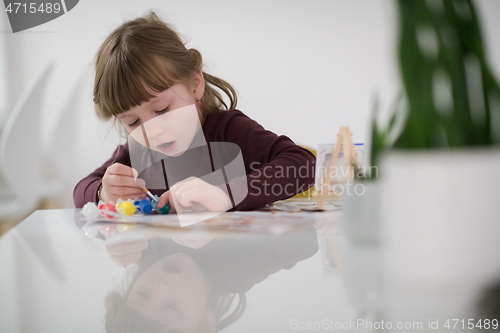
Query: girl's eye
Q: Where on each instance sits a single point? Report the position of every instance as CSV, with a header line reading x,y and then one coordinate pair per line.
x,y
162,111
135,123
171,269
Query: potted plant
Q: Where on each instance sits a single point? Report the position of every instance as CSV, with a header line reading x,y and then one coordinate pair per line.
x,y
438,157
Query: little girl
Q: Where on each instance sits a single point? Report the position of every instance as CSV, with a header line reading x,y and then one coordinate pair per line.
x,y
148,81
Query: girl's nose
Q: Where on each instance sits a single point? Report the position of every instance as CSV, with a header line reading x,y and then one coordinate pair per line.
x,y
153,127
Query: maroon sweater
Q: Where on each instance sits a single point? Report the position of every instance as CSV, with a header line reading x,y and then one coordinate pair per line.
x,y
289,169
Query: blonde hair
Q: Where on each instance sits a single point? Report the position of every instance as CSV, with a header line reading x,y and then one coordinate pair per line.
x,y
147,52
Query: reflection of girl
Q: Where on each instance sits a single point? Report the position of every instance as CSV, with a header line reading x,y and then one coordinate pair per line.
x,y
173,294
181,289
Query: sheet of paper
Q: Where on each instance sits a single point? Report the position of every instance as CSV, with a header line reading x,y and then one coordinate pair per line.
x,y
254,221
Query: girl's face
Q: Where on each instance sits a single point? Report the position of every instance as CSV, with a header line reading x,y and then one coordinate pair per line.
x,y
166,123
174,291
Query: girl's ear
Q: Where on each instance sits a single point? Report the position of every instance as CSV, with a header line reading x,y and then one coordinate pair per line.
x,y
198,84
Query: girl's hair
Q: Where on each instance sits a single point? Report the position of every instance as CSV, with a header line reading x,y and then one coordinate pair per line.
x,y
147,52
122,318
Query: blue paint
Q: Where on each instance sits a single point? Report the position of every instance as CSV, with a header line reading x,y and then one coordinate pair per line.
x,y
144,206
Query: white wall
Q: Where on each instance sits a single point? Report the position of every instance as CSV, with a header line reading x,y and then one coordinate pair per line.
x,y
302,68
3,68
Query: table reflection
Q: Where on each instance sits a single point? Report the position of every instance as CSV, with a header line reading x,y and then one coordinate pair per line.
x,y
190,281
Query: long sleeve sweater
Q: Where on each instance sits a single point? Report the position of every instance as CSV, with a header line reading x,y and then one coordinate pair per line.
x,y
276,168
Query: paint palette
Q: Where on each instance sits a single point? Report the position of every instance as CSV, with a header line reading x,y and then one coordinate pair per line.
x,y
109,210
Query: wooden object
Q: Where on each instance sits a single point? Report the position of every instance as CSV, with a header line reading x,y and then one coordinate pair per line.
x,y
344,143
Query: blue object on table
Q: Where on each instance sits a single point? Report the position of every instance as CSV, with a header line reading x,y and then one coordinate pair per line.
x,y
164,210
144,206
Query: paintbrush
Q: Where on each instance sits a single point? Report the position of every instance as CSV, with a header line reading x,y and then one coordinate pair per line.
x,y
151,196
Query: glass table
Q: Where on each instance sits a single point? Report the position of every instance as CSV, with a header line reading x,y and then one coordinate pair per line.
x,y
62,273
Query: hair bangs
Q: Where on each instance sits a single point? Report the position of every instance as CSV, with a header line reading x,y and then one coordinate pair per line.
x,y
129,80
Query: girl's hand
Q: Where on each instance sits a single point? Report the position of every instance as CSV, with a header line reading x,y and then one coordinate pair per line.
x,y
126,252
197,195
119,182
193,241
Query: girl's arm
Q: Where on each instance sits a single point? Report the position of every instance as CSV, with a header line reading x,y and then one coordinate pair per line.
x,y
276,167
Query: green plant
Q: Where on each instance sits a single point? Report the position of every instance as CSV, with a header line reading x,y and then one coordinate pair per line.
x,y
453,99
